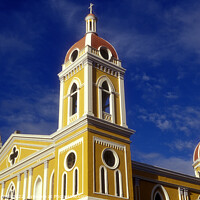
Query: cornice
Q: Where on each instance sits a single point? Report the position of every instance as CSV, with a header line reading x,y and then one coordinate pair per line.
x,y
108,126
94,121
108,136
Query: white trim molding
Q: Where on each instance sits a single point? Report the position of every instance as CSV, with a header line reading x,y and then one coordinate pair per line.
x,y
63,150
120,183
64,196
75,181
111,91
122,100
109,144
46,163
183,193
60,123
88,90
2,190
105,180
30,174
35,197
18,186
25,185
51,186
9,189
162,188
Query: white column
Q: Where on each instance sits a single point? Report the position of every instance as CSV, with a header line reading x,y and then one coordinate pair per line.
x,y
18,186
2,190
45,180
25,185
88,88
122,100
61,103
112,107
186,194
92,25
100,103
30,174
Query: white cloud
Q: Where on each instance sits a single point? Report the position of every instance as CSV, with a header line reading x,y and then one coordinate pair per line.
x,y
36,114
11,43
171,95
175,118
182,145
160,120
171,163
69,12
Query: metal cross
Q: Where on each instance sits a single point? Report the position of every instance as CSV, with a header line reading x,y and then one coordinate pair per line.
x,y
91,7
13,156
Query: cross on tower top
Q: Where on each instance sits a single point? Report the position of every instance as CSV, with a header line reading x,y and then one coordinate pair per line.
x,y
91,5
13,156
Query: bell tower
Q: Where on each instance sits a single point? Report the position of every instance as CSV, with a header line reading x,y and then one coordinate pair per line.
x,y
92,116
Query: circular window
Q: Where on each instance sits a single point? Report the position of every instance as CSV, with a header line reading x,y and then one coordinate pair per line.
x,y
70,160
105,53
74,55
110,158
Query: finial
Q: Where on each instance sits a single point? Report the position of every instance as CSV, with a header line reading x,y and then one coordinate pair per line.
x,y
91,7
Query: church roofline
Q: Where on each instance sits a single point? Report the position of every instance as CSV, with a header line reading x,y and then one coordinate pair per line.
x,y
14,136
164,172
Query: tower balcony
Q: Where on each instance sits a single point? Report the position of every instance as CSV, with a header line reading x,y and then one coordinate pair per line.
x,y
94,52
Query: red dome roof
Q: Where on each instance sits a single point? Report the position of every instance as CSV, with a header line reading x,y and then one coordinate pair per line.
x,y
94,41
196,155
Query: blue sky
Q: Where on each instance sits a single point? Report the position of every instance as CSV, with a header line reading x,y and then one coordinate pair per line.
x,y
158,43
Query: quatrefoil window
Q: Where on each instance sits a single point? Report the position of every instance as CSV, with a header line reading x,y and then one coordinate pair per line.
x,y
13,156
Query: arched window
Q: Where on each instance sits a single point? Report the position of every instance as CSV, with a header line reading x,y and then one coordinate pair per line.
x,y
75,188
11,192
103,180
73,97
157,197
159,193
64,185
118,183
38,189
73,100
51,186
106,99
90,26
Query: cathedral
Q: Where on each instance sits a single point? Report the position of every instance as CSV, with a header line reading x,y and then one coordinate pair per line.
x,y
89,156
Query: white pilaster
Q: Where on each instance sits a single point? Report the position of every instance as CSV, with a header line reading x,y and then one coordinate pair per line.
x,y
61,103
88,88
122,100
25,185
30,174
45,180
18,186
112,107
2,190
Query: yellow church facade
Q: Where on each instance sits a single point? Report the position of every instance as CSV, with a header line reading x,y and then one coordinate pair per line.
x,y
89,156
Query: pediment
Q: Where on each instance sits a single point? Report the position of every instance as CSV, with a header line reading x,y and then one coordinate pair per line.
x,y
19,147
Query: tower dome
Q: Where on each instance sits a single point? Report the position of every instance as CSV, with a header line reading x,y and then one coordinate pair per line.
x,y
91,38
196,154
